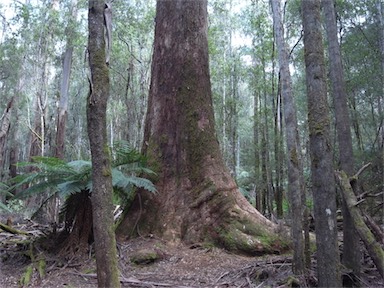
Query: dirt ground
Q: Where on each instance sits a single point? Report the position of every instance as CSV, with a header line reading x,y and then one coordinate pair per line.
x,y
176,265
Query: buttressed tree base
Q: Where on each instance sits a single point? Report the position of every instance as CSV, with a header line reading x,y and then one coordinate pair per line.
x,y
197,199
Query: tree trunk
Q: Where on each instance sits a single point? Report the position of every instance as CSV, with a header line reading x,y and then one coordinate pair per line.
x,y
323,180
197,199
63,103
256,121
374,249
5,124
351,251
103,222
279,155
295,170
380,21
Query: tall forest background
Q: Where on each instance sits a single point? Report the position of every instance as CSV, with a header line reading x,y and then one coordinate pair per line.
x,y
44,86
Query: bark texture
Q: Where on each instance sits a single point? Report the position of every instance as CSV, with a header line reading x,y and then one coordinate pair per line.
x,y
351,251
63,103
197,199
5,124
323,180
102,206
295,171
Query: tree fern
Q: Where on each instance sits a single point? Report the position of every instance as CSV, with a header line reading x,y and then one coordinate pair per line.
x,y
3,193
64,179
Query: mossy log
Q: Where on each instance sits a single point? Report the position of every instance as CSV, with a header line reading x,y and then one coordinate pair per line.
x,y
144,257
373,247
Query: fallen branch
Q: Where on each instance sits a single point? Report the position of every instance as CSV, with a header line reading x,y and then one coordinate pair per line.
x,y
373,247
132,280
376,230
12,230
361,170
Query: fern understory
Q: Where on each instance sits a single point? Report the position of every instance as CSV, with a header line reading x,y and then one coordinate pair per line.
x,y
69,183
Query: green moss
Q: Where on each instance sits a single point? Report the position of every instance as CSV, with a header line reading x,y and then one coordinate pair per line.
x,y
244,236
89,271
154,156
107,172
41,266
144,257
27,276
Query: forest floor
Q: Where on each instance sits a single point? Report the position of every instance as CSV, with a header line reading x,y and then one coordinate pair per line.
x,y
176,265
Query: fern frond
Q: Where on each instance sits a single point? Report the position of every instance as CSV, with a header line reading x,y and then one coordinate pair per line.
x,y
38,188
80,165
4,190
123,154
135,168
71,187
125,183
4,207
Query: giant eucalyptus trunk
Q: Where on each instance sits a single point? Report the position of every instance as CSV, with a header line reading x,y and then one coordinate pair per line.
x,y
102,206
295,170
197,199
351,251
322,176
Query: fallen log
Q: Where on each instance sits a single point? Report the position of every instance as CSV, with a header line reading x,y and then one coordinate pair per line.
x,y
12,230
373,247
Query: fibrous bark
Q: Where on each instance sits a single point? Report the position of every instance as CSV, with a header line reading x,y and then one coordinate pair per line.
x,y
322,176
5,124
197,199
295,171
351,251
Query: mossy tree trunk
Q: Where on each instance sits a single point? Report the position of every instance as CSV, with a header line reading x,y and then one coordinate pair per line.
x,y
102,206
322,176
351,246
197,199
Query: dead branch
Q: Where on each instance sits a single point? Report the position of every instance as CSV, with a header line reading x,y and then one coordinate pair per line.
x,y
376,230
356,176
12,230
132,280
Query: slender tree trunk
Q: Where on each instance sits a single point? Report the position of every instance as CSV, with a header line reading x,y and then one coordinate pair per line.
x,y
197,199
355,121
295,170
63,103
233,123
266,170
279,154
323,180
380,20
102,206
256,144
351,251
5,124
